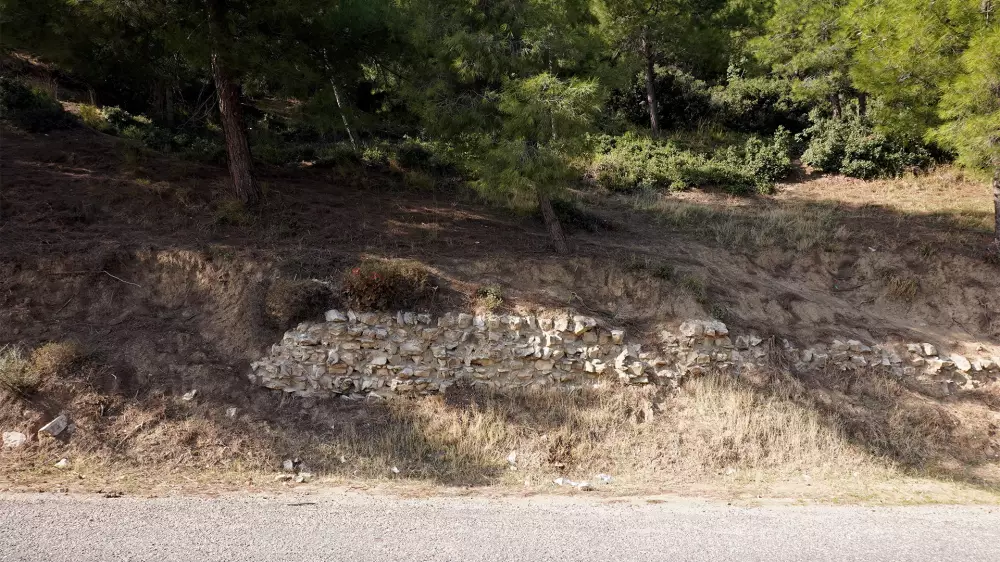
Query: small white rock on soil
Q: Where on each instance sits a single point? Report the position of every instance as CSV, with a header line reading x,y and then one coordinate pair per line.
x,y
14,439
55,427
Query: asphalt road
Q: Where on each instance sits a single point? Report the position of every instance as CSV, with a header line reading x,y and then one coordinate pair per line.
x,y
358,528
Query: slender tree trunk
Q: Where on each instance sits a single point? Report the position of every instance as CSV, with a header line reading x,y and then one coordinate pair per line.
x,y
169,102
340,108
835,101
996,205
552,224
237,147
650,71
862,105
343,116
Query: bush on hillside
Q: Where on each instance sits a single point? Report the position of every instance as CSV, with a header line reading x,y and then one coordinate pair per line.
x,y
31,109
853,147
758,105
23,374
386,285
632,163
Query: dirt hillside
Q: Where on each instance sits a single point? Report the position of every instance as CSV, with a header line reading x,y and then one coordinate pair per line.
x,y
140,260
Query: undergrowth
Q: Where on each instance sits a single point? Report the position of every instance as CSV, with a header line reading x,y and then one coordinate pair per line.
x,y
387,285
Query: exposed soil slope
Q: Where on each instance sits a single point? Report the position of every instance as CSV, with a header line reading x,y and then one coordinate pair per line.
x,y
141,258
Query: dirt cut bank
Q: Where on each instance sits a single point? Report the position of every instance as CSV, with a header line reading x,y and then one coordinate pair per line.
x,y
135,260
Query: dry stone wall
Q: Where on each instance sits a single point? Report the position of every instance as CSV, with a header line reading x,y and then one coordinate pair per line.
x,y
358,355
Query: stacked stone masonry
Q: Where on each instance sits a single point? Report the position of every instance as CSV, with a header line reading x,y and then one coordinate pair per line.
x,y
376,355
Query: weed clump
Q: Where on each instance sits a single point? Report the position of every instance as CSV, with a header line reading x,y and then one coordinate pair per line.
x,y
16,374
489,298
386,285
233,212
23,375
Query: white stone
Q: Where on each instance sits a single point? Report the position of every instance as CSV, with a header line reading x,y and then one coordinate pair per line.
x,y
335,316
982,364
934,366
961,363
62,464
14,439
231,412
692,328
617,336
928,349
858,347
55,427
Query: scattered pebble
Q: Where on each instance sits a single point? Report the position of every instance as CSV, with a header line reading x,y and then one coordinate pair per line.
x,y
189,395
63,464
512,458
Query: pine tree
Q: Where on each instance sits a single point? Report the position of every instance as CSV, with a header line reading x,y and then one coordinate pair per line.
x,y
936,67
970,109
812,44
647,33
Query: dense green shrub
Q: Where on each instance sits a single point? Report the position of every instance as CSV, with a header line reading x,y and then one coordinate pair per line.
x,y
768,162
29,109
758,105
853,147
633,163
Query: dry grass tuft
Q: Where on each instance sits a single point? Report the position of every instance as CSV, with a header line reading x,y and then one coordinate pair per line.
x,y
901,288
16,373
387,285
747,226
489,298
729,424
23,375
289,301
233,212
56,358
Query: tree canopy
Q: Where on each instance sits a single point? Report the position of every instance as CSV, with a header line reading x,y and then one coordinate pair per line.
x,y
525,89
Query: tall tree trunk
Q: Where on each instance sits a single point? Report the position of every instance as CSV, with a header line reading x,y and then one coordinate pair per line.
x,y
552,223
835,102
340,108
862,105
996,204
650,71
237,147
169,102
